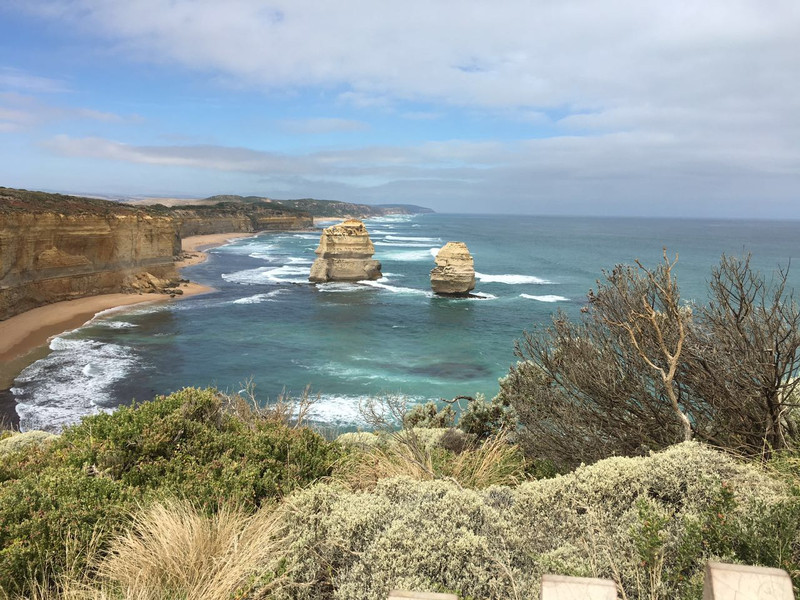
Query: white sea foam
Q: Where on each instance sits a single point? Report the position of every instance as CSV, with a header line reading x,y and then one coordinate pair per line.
x,y
339,286
391,219
305,236
115,324
246,247
409,255
263,256
484,295
261,275
545,298
338,410
511,279
401,244
259,298
73,381
345,410
395,289
401,238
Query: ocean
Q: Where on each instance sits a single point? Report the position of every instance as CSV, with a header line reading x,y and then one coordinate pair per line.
x,y
354,341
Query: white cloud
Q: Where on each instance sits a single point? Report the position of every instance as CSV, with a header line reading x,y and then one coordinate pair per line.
x,y
321,125
633,99
618,173
19,112
19,80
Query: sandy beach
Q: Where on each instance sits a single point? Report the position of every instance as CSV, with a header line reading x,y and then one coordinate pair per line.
x,y
194,245
24,338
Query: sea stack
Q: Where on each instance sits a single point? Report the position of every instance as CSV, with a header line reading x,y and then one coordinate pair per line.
x,y
454,273
345,254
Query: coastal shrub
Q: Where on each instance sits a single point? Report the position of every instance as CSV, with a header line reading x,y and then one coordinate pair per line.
x,y
430,416
188,445
484,419
75,491
649,523
18,442
640,370
50,522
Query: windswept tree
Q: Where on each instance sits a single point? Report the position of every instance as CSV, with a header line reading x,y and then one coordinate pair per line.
x,y
745,359
640,370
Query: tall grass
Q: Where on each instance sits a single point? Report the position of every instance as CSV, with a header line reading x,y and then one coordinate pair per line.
x,y
493,462
175,551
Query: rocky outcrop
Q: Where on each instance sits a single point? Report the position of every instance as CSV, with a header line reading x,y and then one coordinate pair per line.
x,y
47,255
345,254
454,273
238,218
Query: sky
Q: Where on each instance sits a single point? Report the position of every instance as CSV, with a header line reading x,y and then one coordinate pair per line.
x,y
554,107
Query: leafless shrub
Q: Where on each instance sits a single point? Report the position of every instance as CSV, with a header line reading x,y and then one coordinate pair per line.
x,y
286,409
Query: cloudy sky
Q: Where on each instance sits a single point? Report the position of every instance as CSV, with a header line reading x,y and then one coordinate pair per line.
x,y
595,107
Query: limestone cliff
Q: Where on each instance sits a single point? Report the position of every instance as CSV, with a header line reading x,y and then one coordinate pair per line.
x,y
239,218
55,248
345,254
454,273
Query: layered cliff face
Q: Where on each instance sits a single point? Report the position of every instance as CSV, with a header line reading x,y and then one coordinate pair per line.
x,y
454,273
345,254
239,218
47,256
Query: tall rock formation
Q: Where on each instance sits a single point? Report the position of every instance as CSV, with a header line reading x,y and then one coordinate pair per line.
x,y
454,273
345,254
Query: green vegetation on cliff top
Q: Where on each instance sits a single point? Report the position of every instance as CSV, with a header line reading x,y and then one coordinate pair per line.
x,y
14,200
327,208
18,200
147,501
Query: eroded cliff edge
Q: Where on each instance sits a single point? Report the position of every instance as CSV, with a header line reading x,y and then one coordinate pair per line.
x,y
55,248
237,218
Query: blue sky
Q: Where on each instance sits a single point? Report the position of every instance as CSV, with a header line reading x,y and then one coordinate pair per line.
x,y
612,107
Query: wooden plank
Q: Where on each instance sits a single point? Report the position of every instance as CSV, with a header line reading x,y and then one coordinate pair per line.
x,y
406,595
561,587
725,581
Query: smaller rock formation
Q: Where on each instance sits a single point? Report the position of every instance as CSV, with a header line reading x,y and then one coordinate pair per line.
x,y
345,254
454,273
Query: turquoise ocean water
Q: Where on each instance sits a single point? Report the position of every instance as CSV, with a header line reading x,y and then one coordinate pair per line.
x,y
392,336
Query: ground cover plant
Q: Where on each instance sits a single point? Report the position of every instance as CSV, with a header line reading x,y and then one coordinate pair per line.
x,y
62,500
649,523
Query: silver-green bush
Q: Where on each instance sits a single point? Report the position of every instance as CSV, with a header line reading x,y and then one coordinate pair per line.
x,y
649,523
22,441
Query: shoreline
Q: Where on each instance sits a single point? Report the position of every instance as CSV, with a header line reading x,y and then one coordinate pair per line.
x,y
25,338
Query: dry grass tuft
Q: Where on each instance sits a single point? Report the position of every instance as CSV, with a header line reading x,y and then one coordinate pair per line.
x,y
493,462
174,550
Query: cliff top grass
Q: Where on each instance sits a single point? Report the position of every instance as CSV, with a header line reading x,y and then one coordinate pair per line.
x,y
15,200
19,200
335,208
